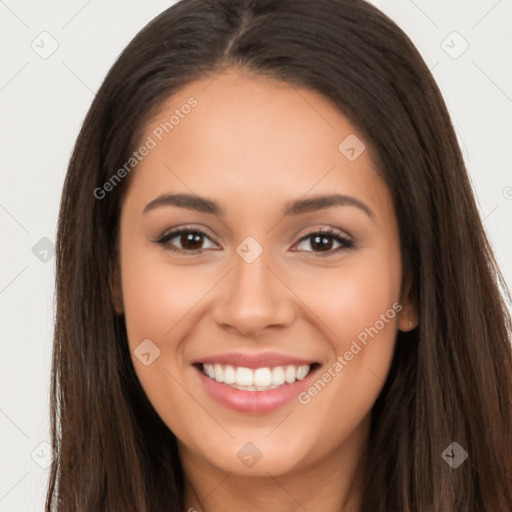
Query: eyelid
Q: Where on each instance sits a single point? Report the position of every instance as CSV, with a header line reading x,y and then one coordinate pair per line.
x,y
329,230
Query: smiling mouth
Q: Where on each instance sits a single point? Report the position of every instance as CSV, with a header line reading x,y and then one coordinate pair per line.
x,y
256,379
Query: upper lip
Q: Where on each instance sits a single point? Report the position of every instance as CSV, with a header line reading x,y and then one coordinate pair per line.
x,y
262,360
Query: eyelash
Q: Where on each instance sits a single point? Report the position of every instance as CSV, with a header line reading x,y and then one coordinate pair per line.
x,y
345,242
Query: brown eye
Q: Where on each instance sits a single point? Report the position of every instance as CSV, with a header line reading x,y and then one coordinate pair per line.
x,y
185,240
191,241
321,242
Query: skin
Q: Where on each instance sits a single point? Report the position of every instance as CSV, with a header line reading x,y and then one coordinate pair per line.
x,y
253,145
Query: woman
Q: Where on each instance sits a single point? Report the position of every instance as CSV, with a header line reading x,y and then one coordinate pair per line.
x,y
274,291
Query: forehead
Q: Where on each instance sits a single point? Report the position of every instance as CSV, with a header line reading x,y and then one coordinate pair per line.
x,y
237,136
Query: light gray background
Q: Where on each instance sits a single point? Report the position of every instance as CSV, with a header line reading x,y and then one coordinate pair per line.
x,y
44,100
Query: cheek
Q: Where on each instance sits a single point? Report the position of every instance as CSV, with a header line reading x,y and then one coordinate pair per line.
x,y
161,304
158,302
157,296
359,310
351,299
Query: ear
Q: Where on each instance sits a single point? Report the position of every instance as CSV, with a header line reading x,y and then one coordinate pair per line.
x,y
116,290
409,316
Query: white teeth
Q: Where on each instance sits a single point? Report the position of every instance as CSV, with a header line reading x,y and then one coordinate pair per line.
x,y
278,376
210,370
289,374
229,374
302,371
244,376
263,377
259,379
219,373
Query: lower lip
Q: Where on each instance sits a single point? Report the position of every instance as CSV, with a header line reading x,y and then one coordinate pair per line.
x,y
254,401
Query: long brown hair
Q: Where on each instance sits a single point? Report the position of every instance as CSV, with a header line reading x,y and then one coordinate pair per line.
x,y
450,379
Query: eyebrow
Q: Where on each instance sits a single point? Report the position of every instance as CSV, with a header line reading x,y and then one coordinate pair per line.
x,y
297,207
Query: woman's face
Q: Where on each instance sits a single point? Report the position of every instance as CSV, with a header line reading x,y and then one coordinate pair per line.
x,y
304,323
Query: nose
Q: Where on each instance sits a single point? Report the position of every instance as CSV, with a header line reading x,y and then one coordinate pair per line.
x,y
253,297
